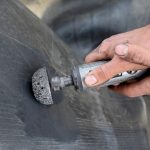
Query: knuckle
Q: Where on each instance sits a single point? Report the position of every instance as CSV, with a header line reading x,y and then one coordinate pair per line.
x,y
106,48
98,49
105,53
136,57
103,48
105,43
105,72
139,59
87,58
100,75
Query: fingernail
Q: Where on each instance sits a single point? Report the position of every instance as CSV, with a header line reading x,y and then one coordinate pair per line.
x,y
90,80
122,50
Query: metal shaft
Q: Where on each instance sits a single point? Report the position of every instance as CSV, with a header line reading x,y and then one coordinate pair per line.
x,y
58,83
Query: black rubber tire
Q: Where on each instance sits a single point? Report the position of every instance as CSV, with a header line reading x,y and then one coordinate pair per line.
x,y
83,121
83,25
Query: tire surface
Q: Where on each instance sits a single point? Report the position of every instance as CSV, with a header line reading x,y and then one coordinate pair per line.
x,y
85,121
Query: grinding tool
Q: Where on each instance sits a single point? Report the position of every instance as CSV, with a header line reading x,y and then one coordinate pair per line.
x,y
43,86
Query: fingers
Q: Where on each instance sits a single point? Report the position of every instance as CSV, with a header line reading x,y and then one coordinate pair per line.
x,y
99,53
134,89
134,54
96,55
106,49
109,70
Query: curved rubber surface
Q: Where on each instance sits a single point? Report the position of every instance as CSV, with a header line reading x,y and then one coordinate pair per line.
x,y
85,121
83,25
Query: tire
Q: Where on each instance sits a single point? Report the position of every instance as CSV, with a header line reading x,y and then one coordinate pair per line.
x,y
84,25
78,120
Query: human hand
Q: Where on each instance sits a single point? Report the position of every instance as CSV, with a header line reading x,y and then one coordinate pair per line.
x,y
128,51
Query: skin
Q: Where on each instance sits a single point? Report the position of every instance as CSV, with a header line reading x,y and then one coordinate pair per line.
x,y
127,51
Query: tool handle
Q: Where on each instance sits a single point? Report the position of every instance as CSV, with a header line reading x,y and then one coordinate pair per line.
x,y
81,71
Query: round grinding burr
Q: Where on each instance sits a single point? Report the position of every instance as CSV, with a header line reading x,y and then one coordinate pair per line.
x,y
41,87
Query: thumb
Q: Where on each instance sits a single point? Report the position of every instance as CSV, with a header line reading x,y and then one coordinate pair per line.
x,y
107,71
134,54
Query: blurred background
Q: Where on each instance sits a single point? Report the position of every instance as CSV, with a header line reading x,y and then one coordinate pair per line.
x,y
38,7
84,24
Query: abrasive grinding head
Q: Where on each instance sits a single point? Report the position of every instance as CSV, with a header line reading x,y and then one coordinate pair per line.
x,y
41,87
